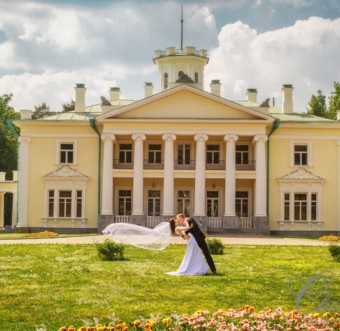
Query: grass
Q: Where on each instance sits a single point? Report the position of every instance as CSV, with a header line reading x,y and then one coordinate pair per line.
x,y
59,284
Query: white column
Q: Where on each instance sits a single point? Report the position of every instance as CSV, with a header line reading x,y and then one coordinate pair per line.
x,y
2,209
230,176
261,177
14,209
338,143
200,175
23,181
168,186
107,187
137,195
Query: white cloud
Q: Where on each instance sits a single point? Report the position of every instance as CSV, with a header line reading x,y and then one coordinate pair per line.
x,y
305,55
46,48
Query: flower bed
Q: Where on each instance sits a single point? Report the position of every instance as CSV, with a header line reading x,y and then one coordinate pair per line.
x,y
244,319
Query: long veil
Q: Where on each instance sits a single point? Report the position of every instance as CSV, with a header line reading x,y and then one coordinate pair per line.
x,y
131,234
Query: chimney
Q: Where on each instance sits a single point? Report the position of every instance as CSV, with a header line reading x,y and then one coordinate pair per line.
x,y
287,98
148,88
252,94
114,93
215,86
25,114
80,98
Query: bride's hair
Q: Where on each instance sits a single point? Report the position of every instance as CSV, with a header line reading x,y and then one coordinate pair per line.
x,y
172,225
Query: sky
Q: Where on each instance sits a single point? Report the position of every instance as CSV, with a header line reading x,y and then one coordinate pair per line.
x,y
48,46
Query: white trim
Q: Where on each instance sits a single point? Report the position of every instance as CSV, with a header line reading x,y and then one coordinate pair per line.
x,y
66,141
303,138
303,142
63,135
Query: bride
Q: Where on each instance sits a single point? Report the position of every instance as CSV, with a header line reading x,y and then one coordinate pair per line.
x,y
193,262
159,238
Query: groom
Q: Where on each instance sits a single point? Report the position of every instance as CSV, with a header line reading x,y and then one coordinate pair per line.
x,y
199,236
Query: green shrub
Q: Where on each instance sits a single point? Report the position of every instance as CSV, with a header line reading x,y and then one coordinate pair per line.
x,y
335,252
215,246
110,251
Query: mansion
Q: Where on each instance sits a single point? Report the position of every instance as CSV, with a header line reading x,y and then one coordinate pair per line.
x,y
235,166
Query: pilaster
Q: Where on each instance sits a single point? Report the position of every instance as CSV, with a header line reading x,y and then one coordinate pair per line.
x,y
107,187
23,181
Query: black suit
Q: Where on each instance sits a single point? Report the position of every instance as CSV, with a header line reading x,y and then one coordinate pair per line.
x,y
200,238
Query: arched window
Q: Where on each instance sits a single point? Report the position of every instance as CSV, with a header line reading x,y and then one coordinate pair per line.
x,y
166,80
196,77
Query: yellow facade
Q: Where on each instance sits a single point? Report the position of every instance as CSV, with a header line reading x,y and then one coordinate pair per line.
x,y
234,166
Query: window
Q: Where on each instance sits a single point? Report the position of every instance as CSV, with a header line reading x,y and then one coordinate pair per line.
x,y
196,77
183,154
286,206
166,80
50,203
79,203
303,205
213,154
154,203
66,153
300,154
125,153
65,203
314,207
212,203
124,202
242,204
300,206
155,153
183,202
242,154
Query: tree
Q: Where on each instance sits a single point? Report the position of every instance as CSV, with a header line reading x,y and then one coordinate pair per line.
x,y
68,106
317,105
8,142
334,101
8,149
41,111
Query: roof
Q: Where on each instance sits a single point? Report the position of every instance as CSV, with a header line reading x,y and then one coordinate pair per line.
x,y
300,117
90,111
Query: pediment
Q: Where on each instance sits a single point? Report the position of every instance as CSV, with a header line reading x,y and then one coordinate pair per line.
x,y
66,172
185,102
301,174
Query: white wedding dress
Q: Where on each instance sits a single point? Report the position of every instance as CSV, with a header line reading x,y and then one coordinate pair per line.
x,y
157,238
193,262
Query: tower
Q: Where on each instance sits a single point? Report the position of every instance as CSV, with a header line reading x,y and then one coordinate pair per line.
x,y
178,66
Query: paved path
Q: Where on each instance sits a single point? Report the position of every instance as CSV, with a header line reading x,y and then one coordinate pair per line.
x,y
227,240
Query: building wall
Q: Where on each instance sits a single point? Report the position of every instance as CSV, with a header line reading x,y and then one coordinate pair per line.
x,y
43,160
323,162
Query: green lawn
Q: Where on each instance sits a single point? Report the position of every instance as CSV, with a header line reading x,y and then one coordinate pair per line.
x,y
59,284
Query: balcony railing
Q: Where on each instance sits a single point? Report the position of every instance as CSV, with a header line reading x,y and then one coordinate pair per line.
x,y
153,165
246,166
117,164
185,165
215,166
180,165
